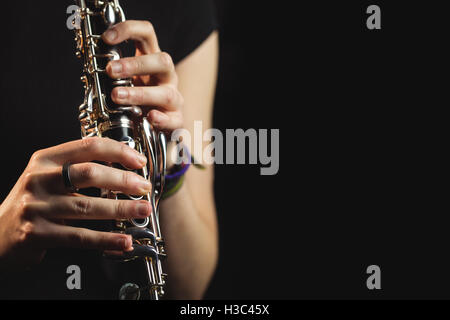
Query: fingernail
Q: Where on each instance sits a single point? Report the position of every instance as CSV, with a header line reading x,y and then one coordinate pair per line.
x,y
122,93
143,209
124,242
142,159
116,67
144,185
110,34
138,156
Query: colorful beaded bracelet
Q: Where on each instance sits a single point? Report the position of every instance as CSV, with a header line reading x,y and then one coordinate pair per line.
x,y
175,178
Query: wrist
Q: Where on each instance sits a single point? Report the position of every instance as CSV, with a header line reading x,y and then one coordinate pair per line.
x,y
174,179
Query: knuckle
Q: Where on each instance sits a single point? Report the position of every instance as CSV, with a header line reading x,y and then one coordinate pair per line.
x,y
171,96
37,157
129,66
126,178
29,181
26,232
122,210
139,64
149,26
91,144
86,172
26,207
139,95
27,228
82,206
124,27
166,60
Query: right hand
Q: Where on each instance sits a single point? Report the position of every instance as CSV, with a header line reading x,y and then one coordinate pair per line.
x,y
32,216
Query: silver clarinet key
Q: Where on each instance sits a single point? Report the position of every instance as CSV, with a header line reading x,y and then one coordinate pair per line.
x,y
100,117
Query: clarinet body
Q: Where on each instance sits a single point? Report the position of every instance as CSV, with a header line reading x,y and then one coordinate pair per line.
x,y
137,274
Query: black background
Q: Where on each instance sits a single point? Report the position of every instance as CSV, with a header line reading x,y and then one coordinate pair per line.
x,y
358,113
359,180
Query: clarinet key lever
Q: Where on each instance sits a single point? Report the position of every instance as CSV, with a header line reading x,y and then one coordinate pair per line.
x,y
100,117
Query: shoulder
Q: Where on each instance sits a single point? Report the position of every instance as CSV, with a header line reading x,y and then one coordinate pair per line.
x,y
197,22
181,25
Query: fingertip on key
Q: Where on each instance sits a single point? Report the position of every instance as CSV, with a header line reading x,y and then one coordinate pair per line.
x,y
125,242
110,35
142,159
143,209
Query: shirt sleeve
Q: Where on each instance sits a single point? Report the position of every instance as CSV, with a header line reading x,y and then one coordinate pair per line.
x,y
197,20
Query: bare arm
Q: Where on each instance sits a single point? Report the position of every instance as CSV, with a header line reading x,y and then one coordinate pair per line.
x,y
189,217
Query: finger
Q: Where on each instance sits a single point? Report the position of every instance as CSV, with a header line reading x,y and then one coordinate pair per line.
x,y
100,149
168,121
140,31
88,174
165,97
90,208
54,235
113,252
158,64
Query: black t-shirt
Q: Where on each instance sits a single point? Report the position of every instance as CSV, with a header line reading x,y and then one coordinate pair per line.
x,y
40,94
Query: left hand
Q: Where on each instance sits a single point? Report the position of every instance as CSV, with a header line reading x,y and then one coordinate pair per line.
x,y
153,74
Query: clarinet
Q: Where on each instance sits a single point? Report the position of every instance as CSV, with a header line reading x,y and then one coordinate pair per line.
x,y
136,274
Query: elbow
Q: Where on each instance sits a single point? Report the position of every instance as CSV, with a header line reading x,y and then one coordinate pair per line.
x,y
209,266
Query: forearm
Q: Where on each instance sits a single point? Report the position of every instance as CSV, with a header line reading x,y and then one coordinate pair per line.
x,y
188,218
191,243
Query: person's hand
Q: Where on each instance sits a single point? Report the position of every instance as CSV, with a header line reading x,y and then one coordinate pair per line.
x,y
153,74
32,216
